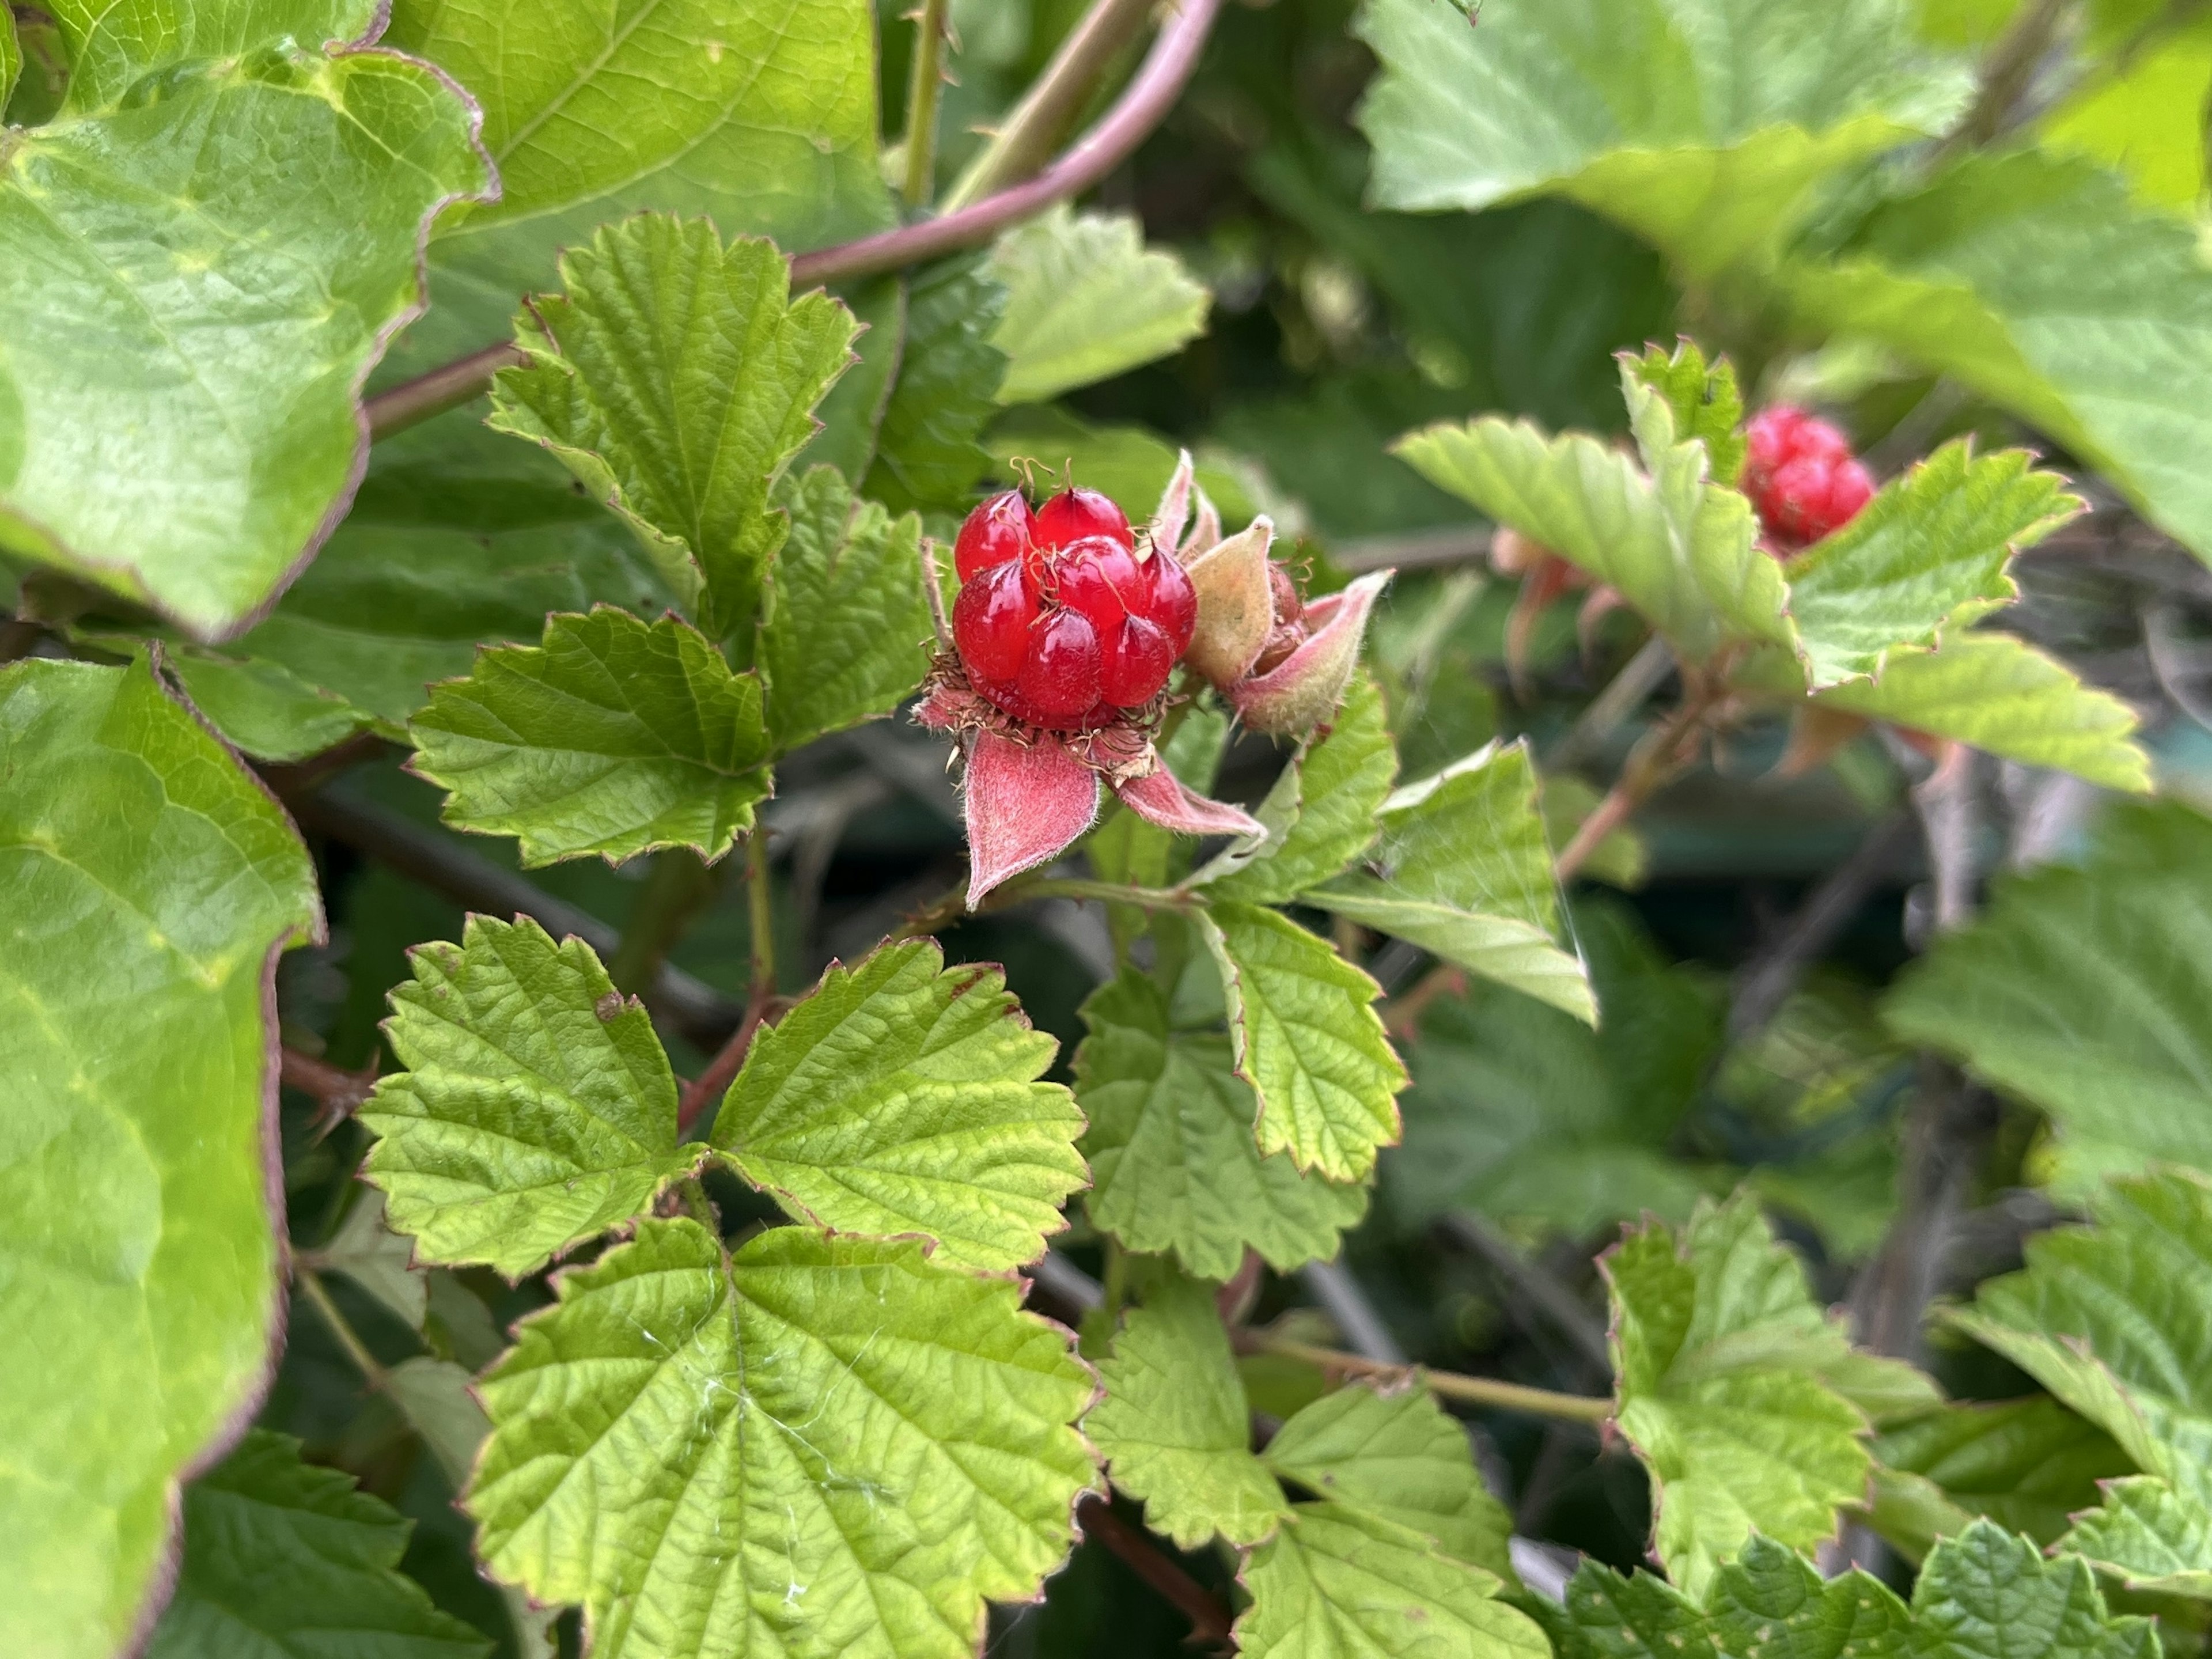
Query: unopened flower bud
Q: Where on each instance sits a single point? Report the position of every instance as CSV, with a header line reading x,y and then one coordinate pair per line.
x,y
1235,603
1304,689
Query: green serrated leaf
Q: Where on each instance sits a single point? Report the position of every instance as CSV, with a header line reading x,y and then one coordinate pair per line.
x,y
676,378
1174,1426
210,245
281,1557
261,708
901,1096
1337,1582
1929,552
2033,281
613,736
536,1110
2116,1320
1327,801
150,884
1306,1036
381,1261
2027,1464
1703,398
1174,1165
927,453
1496,947
1700,123
1086,300
1981,1587
1399,1458
1720,1351
2083,992
843,637
816,1445
761,118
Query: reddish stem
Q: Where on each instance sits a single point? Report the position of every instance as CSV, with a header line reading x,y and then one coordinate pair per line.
x,y
1209,1620
707,1087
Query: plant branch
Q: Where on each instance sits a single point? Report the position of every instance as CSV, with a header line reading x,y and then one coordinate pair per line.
x,y
1623,695
923,87
1209,1620
2006,76
1145,103
680,883
340,1091
1449,1385
761,1006
1767,981
1534,1284
1034,127
311,1286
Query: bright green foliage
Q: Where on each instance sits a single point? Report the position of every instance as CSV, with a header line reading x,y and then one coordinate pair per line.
x,y
261,708
11,56
1995,693
281,1557
2143,116
1396,1457
206,252
760,116
1704,401
614,736
676,377
2027,1464
843,639
1700,123
1719,1349
2084,992
819,1445
149,884
1307,1038
901,1096
536,1110
1927,554
2035,282
928,454
1174,1165
1982,1593
1174,1426
2116,1320
1341,1583
1321,809
1085,300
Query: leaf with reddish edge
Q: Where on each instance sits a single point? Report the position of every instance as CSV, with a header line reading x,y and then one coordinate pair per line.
x,y
1306,688
1026,803
1160,798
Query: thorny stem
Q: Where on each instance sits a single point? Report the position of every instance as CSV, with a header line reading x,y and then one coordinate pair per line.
x,y
311,1286
1145,103
341,1092
922,89
1209,1620
1450,1385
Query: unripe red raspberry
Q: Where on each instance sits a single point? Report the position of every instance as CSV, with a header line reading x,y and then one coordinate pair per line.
x,y
1175,601
996,532
1075,514
1800,476
991,623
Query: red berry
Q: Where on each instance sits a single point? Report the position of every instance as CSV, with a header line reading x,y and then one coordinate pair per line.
x,y
991,623
1074,513
1173,602
1800,475
995,532
1059,677
1136,661
1102,579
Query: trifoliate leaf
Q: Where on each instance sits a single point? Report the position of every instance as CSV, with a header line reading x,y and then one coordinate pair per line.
x,y
2027,1464
1174,1166
1086,300
676,378
612,736
2034,281
761,118
2116,1320
1399,1458
927,453
381,1261
1700,126
1175,1427
1306,1036
1928,552
843,638
2082,991
818,1445
1994,693
901,1096
207,248
1980,1591
536,1110
1719,1350
1707,404
282,1557
1338,1582
1326,801
150,883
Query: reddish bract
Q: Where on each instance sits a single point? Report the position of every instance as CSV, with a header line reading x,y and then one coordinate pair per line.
x,y
1800,476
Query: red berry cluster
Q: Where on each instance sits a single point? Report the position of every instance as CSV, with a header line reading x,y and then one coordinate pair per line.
x,y
1801,477
1059,622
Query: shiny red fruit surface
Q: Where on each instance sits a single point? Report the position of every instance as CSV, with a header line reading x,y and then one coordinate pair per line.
x,y
1800,476
998,529
1075,514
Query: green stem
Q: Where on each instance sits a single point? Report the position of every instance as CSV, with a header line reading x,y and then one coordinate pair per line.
x,y
1450,1385
1117,1282
311,1286
697,1205
679,883
760,915
922,90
